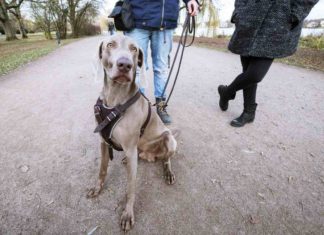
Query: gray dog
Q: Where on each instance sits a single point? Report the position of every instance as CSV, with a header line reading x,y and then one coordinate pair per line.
x,y
120,56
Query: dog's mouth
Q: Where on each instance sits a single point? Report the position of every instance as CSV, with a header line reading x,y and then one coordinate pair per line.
x,y
121,78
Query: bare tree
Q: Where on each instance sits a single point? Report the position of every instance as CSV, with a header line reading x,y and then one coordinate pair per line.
x,y
209,16
59,11
42,13
16,12
5,21
78,10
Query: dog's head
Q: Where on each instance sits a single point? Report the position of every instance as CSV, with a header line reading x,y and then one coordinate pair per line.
x,y
120,57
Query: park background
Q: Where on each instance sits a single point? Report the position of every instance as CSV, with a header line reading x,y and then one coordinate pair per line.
x,y
32,26
265,178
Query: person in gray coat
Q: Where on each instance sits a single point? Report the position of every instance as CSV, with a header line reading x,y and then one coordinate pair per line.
x,y
265,30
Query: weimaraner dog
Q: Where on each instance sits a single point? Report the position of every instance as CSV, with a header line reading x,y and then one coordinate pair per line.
x,y
120,56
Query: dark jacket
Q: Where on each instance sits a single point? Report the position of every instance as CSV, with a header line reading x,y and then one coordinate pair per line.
x,y
268,28
156,14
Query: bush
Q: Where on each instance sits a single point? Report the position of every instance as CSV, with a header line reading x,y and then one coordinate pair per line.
x,y
312,42
90,29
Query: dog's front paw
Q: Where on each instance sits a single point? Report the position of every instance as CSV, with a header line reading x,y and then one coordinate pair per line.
x,y
94,192
127,220
169,176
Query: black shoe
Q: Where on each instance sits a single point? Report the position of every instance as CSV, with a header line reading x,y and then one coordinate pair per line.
x,y
161,111
223,97
247,116
242,120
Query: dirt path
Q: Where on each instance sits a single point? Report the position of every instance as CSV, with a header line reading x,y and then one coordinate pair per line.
x,y
267,178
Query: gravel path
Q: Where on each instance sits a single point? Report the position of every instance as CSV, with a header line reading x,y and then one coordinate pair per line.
x,y
266,178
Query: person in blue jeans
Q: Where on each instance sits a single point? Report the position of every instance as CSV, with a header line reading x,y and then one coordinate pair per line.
x,y
155,22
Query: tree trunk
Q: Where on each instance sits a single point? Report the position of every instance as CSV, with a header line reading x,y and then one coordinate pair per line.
x,y
61,26
75,31
48,35
47,31
72,19
9,30
22,29
21,23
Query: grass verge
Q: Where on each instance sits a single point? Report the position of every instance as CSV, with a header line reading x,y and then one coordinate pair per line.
x,y
14,54
310,53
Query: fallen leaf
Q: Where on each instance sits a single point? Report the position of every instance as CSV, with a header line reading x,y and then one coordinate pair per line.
x,y
290,178
24,168
322,180
253,219
51,202
247,151
261,195
92,230
245,174
301,205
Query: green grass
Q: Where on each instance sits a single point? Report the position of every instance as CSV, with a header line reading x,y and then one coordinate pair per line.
x,y
310,53
312,42
14,54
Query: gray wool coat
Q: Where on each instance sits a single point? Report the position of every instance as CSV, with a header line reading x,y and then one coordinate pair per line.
x,y
268,28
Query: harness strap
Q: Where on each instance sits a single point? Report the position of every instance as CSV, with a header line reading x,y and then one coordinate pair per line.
x,y
113,117
120,109
111,152
99,120
147,119
107,120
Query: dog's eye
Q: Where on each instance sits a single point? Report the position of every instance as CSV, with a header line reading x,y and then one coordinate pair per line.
x,y
134,49
110,45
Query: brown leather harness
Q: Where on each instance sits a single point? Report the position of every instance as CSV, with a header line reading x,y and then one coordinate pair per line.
x,y
108,117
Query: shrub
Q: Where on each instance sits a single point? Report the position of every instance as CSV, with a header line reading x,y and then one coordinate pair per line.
x,y
312,42
90,29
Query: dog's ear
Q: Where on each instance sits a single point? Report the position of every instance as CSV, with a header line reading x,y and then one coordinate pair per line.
x,y
141,64
98,69
140,59
100,50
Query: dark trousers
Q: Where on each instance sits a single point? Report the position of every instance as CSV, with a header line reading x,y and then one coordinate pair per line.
x,y
254,70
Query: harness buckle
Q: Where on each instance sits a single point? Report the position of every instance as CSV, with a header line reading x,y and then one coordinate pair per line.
x,y
97,110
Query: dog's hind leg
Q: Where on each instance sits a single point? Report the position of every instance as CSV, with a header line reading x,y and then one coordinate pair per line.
x,y
168,174
94,192
170,144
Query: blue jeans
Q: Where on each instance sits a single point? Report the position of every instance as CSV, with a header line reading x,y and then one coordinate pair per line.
x,y
161,46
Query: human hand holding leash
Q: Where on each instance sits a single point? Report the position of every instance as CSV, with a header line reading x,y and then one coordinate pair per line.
x,y
193,7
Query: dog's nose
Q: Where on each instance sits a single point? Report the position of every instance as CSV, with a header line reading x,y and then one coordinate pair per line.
x,y
124,64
